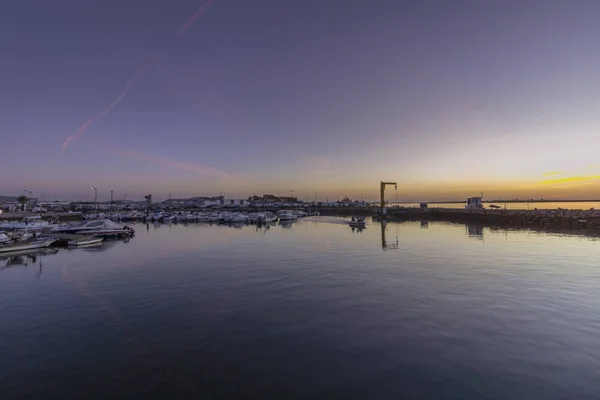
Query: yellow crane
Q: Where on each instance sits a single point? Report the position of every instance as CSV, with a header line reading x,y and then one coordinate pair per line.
x,y
382,187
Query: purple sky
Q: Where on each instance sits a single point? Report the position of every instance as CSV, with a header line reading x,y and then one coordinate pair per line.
x,y
449,98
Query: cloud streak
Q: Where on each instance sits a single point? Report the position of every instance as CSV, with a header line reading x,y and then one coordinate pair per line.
x,y
83,128
196,168
569,179
316,162
551,173
192,20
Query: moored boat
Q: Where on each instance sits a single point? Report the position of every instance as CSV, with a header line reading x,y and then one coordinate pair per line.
x,y
286,215
36,243
4,238
104,229
86,242
357,222
32,222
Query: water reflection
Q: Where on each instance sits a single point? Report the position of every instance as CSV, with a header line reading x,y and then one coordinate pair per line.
x,y
100,247
24,258
286,224
424,224
263,227
384,243
474,231
220,303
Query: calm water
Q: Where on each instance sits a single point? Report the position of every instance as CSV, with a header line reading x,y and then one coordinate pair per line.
x,y
312,309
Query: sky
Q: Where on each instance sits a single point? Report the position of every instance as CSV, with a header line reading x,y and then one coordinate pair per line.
x,y
322,97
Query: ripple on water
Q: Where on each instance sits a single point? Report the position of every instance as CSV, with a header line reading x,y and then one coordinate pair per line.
x,y
313,309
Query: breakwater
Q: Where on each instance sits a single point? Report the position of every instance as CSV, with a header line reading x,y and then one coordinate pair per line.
x,y
561,220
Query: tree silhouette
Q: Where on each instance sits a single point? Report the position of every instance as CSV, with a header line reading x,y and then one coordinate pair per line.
x,y
22,200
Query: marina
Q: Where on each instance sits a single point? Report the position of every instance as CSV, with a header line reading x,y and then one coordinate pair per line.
x,y
114,224
317,200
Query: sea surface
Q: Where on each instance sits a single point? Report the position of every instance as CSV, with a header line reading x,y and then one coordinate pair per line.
x,y
312,309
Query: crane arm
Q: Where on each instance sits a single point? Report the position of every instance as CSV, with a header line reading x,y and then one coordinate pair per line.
x,y
383,185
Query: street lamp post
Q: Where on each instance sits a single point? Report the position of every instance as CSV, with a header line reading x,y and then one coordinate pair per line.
x,y
95,189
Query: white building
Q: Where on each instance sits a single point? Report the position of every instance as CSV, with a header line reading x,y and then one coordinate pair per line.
x,y
474,203
234,202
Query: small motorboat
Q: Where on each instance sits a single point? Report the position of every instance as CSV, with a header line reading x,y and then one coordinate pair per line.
x,y
357,222
89,241
27,244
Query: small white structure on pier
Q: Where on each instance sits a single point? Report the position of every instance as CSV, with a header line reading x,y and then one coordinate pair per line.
x,y
474,203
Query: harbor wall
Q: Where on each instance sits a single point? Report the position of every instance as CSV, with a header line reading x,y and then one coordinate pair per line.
x,y
544,219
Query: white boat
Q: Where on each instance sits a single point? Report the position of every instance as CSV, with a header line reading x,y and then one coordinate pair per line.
x,y
87,226
4,238
192,218
27,245
237,218
286,215
86,242
267,217
214,217
106,227
254,217
169,219
33,222
357,222
225,216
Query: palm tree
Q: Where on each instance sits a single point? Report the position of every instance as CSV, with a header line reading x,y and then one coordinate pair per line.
x,y
23,200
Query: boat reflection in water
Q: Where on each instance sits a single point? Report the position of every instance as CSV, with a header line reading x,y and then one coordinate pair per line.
x,y
25,258
424,224
263,227
286,224
357,230
99,247
475,231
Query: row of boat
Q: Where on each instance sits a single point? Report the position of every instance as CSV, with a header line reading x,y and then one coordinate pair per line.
x,y
214,216
35,233
35,223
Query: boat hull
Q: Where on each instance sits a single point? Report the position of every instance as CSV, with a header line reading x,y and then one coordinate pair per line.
x,y
357,224
85,242
26,246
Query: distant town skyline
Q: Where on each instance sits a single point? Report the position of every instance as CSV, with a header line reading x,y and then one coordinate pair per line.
x,y
390,197
448,99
